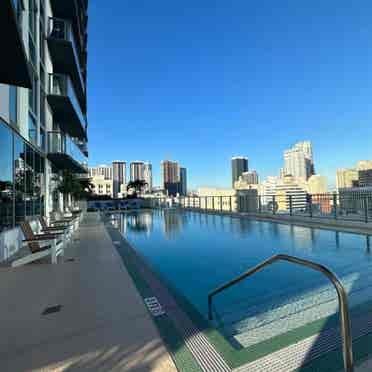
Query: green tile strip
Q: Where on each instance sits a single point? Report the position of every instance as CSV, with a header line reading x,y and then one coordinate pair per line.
x,y
181,356
198,344
241,359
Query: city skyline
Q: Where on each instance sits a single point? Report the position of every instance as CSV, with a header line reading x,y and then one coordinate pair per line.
x,y
210,100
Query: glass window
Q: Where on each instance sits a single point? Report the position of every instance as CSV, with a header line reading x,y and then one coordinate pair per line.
x,y
32,130
32,11
6,178
39,185
42,138
32,49
42,185
19,179
13,104
42,41
30,180
32,95
42,108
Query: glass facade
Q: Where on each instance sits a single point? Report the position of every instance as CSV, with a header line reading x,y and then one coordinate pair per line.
x,y
22,179
13,104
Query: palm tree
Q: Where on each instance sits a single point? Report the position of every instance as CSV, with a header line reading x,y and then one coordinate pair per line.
x,y
137,185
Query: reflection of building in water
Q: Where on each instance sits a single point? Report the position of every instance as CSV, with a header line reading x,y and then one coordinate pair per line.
x,y
303,238
138,222
173,223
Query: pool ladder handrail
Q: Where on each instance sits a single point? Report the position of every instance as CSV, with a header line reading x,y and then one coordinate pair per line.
x,y
341,293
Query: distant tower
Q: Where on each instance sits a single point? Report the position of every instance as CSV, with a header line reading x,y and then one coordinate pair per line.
x,y
118,176
298,161
137,169
239,165
148,176
183,181
170,171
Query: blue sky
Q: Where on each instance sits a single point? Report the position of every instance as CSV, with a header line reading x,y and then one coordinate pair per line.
x,y
201,81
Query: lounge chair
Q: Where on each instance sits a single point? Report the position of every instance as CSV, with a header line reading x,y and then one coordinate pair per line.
x,y
39,245
67,230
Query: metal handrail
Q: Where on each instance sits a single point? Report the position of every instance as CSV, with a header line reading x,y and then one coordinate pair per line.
x,y
341,293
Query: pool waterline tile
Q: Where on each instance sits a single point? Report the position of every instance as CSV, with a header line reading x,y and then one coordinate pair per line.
x,y
236,358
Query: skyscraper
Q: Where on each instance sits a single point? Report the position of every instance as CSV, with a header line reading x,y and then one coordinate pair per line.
x,y
137,171
298,161
170,171
147,172
250,177
118,176
346,177
101,170
183,181
239,165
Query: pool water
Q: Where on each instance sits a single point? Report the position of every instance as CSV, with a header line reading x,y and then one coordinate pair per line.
x,y
195,253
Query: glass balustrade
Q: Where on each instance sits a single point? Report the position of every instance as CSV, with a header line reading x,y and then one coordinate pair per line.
x,y
60,143
62,29
61,85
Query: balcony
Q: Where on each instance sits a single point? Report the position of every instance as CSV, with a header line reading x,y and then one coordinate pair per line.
x,y
14,66
74,10
64,153
65,54
65,105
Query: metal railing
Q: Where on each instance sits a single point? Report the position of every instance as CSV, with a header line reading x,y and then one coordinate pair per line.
x,y
61,85
341,293
62,29
60,143
347,206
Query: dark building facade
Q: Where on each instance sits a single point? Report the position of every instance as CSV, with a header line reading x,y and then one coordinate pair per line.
x,y
239,165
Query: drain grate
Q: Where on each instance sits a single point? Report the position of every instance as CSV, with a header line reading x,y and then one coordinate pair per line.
x,y
154,306
52,310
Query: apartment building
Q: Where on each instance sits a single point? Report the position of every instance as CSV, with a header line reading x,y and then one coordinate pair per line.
x,y
43,124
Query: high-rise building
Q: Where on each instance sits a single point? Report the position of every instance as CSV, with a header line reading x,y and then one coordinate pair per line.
x,y
170,171
137,171
239,165
288,191
298,161
365,178
44,50
101,170
317,184
268,189
346,177
183,181
118,176
148,176
250,177
364,165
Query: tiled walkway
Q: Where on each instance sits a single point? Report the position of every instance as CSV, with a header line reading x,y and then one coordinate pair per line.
x,y
103,324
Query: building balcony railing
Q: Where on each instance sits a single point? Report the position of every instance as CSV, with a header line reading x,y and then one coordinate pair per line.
x,y
65,53
67,112
64,153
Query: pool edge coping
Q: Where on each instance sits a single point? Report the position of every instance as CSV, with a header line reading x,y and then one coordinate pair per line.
x,y
211,333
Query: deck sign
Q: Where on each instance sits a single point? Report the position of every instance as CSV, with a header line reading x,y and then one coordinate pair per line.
x,y
154,306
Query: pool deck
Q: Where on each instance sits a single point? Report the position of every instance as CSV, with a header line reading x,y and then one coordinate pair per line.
x,y
102,325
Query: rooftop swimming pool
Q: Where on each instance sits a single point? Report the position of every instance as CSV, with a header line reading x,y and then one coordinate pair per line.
x,y
195,252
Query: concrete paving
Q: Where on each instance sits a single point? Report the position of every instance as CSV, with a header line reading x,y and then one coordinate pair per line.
x,y
102,325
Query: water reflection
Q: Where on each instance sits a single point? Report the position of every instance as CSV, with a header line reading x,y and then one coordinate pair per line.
x,y
139,223
174,222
